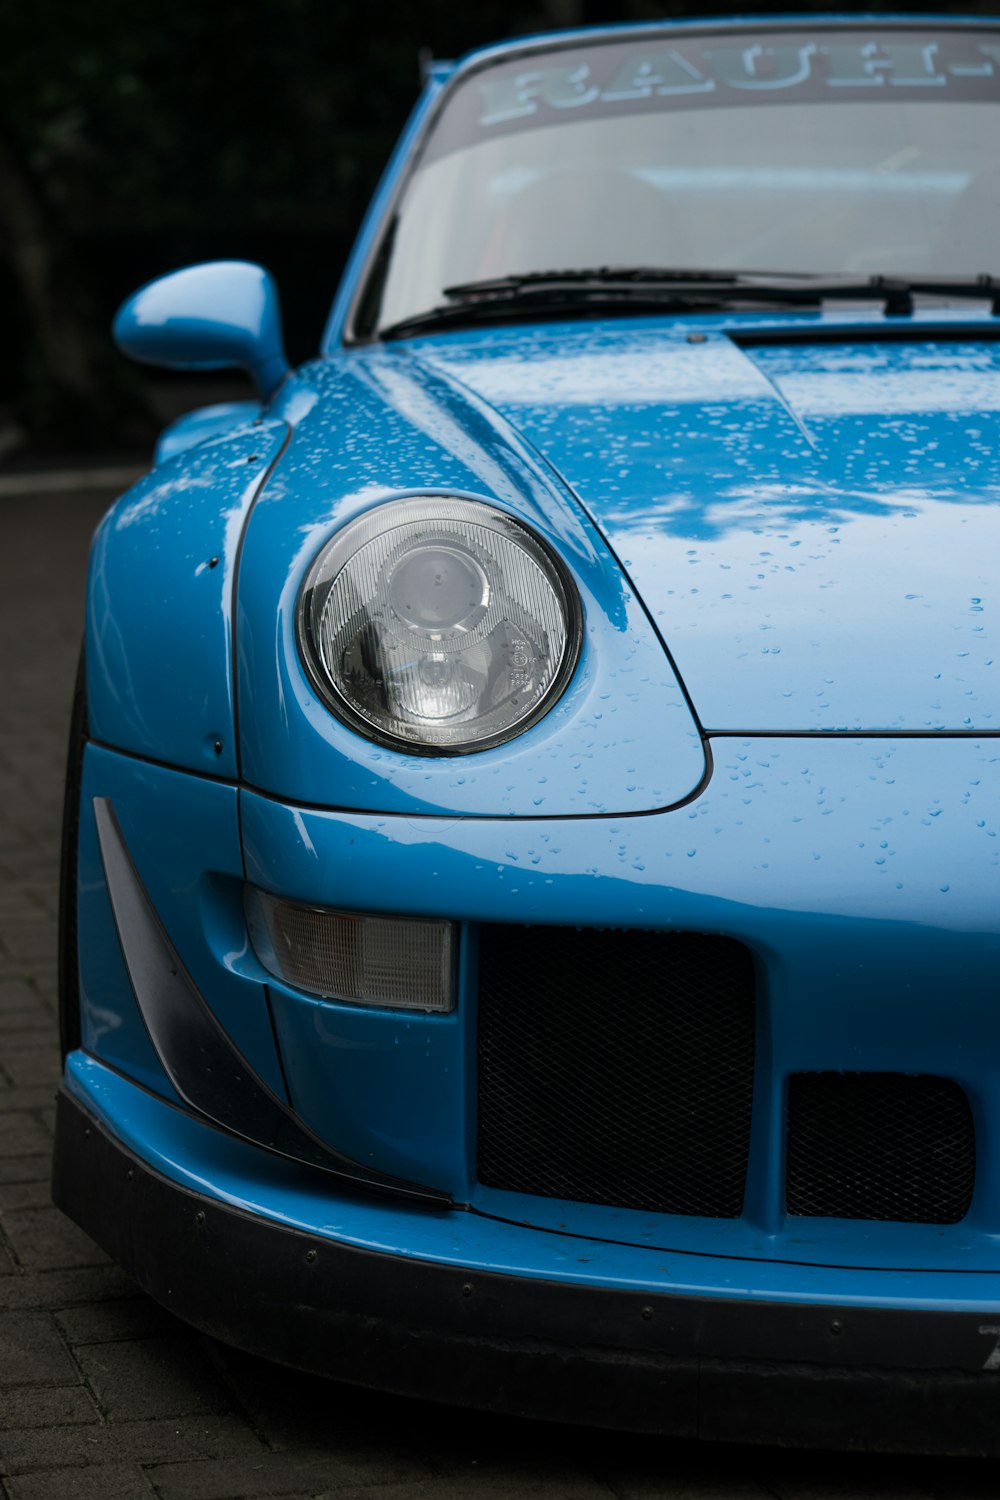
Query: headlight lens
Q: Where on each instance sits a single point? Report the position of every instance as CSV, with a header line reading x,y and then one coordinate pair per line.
x,y
439,625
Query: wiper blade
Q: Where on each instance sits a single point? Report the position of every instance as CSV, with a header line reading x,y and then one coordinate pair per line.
x,y
896,292
615,275
663,289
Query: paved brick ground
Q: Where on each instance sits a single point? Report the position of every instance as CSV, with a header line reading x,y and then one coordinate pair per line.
x,y
103,1396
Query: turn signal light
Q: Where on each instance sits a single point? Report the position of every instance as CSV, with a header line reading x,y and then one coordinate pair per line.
x,y
406,963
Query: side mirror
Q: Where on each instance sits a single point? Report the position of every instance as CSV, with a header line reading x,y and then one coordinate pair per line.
x,y
207,317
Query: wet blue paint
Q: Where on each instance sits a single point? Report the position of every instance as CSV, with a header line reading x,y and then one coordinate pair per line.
x,y
812,527
159,642
207,317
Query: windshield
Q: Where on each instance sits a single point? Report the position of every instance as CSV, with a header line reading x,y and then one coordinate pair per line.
x,y
837,153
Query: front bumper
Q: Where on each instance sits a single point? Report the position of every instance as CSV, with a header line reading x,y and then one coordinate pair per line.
x,y
724,1368
863,878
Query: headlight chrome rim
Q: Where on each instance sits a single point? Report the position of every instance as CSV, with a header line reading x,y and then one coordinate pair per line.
x,y
443,638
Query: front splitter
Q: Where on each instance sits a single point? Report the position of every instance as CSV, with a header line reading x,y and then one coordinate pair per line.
x,y
878,1378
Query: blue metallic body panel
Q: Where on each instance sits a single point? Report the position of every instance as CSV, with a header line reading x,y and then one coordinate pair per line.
x,y
339,1058
207,317
811,525
374,425
159,604
200,425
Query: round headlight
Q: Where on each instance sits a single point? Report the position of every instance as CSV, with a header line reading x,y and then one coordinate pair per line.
x,y
438,626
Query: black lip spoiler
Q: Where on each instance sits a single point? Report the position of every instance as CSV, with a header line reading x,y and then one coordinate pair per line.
x,y
733,1369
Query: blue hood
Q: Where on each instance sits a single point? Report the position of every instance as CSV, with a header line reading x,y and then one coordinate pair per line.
x,y
813,525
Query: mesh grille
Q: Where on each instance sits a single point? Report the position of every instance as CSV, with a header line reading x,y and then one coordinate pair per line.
x,y
616,1067
879,1146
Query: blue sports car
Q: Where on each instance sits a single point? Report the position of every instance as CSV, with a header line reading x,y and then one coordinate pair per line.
x,y
531,922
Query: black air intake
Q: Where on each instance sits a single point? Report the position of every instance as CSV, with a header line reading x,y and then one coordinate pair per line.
x,y
879,1146
616,1067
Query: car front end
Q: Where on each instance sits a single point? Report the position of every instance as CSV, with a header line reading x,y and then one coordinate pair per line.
x,y
531,924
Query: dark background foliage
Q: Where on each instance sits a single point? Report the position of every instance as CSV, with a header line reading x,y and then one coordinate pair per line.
x,y
137,135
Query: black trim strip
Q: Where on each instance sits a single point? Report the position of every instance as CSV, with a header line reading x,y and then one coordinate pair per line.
x,y
917,332
853,734
234,598
209,1073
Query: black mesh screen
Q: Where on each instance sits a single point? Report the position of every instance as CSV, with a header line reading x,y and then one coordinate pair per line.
x,y
879,1146
616,1067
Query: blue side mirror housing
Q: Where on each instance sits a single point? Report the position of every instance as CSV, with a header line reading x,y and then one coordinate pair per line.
x,y
207,317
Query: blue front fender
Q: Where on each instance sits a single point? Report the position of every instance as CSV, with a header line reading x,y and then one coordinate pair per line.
x,y
159,604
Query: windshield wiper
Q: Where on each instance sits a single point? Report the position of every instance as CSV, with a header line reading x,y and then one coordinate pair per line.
x,y
652,288
618,275
896,292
